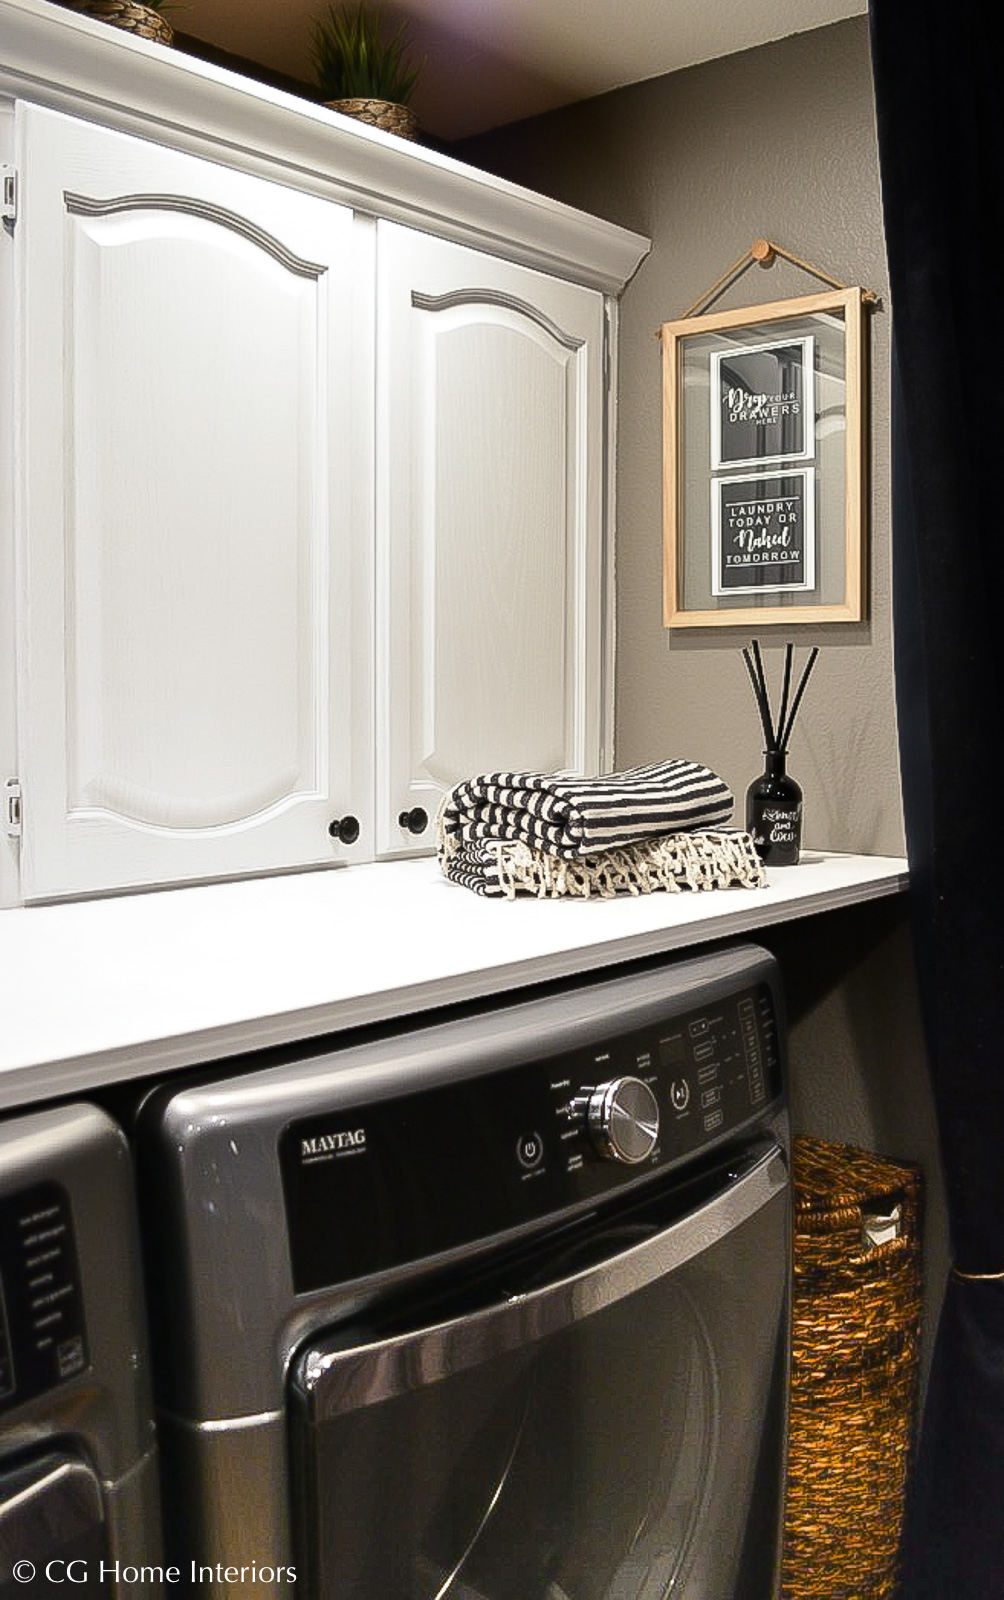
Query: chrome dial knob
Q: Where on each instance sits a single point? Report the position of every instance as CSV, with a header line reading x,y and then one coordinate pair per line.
x,y
623,1120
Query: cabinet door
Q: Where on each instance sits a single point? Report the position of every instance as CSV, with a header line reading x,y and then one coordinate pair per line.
x,y
490,523
192,463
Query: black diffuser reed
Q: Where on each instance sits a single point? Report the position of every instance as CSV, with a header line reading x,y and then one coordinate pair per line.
x,y
774,801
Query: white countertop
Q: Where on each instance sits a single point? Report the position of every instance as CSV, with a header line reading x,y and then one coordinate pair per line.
x,y
98,991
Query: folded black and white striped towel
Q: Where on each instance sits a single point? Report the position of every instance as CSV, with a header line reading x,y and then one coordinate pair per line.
x,y
571,817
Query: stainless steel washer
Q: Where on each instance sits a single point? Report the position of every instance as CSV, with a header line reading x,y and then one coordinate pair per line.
x,y
78,1469
490,1309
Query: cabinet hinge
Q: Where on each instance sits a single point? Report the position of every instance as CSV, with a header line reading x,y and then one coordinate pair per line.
x,y
8,197
12,808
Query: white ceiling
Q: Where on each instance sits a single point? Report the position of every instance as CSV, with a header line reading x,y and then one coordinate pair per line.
x,y
488,62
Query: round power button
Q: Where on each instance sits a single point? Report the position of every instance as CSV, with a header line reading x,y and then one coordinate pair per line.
x,y
530,1149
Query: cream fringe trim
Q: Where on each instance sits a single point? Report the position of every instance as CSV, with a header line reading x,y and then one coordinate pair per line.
x,y
678,861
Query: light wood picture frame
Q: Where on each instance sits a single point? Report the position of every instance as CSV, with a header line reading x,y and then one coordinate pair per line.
x,y
764,462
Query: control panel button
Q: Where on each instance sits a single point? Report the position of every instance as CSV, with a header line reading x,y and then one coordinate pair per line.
x,y
623,1117
530,1150
679,1094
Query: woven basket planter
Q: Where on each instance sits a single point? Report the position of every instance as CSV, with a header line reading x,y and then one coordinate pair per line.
x,y
385,114
856,1320
140,19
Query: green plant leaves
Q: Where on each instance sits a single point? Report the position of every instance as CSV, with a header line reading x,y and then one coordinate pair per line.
x,y
351,59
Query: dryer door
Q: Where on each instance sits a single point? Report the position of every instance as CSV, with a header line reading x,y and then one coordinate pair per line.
x,y
52,1528
613,1432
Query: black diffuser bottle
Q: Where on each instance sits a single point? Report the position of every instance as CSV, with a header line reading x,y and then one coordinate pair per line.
x,y
774,800
774,813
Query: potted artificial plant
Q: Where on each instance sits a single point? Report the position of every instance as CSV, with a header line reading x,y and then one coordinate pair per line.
x,y
363,75
146,20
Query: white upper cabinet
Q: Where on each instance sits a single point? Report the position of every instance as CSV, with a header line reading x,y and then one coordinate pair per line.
x,y
490,524
305,478
194,671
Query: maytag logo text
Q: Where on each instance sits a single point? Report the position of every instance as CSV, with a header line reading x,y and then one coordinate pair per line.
x,y
348,1141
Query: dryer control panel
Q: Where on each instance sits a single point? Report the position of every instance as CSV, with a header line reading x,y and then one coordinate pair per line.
x,y
408,1177
42,1337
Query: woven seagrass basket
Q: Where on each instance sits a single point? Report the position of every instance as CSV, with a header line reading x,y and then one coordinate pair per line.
x,y
138,19
385,114
854,1367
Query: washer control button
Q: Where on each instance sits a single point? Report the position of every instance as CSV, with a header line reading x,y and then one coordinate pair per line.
x,y
530,1150
679,1093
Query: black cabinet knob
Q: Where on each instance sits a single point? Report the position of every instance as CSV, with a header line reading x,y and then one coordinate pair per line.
x,y
415,821
344,829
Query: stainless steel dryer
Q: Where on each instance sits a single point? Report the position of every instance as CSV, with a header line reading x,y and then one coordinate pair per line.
x,y
491,1309
78,1471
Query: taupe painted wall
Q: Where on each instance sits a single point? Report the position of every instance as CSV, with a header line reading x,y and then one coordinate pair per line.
x,y
780,142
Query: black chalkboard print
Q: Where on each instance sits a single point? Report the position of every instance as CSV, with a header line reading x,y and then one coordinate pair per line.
x,y
762,404
763,533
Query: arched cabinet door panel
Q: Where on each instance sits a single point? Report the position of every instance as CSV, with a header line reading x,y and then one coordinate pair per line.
x,y
191,458
489,523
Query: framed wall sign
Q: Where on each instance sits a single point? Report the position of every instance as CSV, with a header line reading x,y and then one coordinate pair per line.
x,y
763,528
760,399
763,416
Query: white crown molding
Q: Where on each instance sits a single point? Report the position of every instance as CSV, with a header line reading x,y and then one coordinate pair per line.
x,y
57,58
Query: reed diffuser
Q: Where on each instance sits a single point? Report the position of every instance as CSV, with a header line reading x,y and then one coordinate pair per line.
x,y
774,801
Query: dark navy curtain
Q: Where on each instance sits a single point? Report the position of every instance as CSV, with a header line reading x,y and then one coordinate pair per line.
x,y
938,98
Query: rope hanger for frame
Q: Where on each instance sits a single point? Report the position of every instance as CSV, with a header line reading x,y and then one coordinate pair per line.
x,y
763,253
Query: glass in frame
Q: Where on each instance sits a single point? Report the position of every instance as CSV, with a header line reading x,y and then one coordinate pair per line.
x,y
763,464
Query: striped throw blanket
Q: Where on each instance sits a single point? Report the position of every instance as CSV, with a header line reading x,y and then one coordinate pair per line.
x,y
571,817
678,861
505,834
